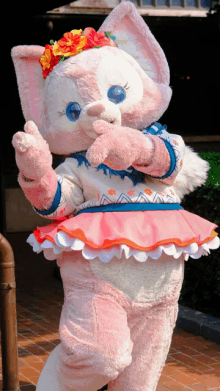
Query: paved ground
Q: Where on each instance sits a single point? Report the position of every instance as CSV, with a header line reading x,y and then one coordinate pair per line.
x,y
193,363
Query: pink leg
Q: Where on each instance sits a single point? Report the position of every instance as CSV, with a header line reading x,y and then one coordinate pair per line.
x,y
95,337
151,327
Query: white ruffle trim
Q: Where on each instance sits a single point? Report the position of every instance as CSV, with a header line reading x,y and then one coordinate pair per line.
x,y
64,242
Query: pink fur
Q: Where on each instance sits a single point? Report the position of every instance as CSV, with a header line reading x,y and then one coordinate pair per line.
x,y
160,162
125,18
87,86
34,160
101,329
82,69
139,152
41,192
145,112
83,73
30,81
33,156
107,337
119,147
85,79
96,110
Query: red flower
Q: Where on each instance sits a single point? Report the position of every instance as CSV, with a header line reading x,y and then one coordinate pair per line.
x,y
95,39
130,192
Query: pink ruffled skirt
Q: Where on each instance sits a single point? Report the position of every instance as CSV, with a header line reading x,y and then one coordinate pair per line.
x,y
141,234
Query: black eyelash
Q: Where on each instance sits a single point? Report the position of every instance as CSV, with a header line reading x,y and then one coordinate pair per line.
x,y
126,86
61,113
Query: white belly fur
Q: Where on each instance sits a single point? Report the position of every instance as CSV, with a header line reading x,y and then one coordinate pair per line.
x,y
143,282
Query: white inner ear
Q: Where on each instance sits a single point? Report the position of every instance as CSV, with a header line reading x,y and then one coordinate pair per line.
x,y
114,70
126,42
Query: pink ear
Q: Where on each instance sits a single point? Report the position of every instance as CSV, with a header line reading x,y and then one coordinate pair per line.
x,y
30,81
134,37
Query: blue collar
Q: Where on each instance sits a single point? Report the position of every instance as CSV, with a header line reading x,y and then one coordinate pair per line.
x,y
134,175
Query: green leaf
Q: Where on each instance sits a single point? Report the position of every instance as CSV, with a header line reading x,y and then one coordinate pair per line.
x,y
213,158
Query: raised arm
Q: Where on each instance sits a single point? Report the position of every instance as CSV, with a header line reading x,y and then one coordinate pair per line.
x,y
167,157
53,194
173,162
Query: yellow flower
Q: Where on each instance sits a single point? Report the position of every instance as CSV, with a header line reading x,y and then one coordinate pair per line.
x,y
79,32
45,60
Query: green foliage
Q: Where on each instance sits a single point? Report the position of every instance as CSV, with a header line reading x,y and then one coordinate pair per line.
x,y
201,287
214,173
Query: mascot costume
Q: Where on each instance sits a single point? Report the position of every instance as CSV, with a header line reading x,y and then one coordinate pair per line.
x,y
118,232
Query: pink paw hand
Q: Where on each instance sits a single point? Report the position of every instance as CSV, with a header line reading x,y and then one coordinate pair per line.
x,y
116,146
32,152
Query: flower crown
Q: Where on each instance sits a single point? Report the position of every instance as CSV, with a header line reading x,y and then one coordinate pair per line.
x,y
71,44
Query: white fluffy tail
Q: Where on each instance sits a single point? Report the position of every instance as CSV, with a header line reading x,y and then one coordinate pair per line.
x,y
193,174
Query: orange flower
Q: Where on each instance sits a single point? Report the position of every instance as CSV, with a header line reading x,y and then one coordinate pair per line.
x,y
148,191
71,44
111,192
48,60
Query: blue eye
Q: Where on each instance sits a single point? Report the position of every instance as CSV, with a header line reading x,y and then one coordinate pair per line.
x,y
116,94
73,111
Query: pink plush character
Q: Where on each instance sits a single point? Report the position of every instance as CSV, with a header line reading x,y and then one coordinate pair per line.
x,y
118,233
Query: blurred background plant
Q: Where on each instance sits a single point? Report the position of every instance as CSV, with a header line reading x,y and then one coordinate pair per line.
x,y
201,287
